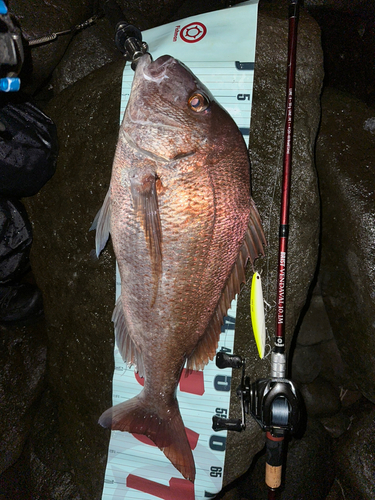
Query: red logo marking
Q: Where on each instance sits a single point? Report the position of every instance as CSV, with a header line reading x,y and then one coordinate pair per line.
x,y
193,32
191,381
178,488
191,435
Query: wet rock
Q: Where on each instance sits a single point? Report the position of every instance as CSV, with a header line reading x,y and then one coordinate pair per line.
x,y
49,483
315,327
321,398
39,18
15,480
79,291
314,481
348,29
316,354
355,454
349,397
23,365
337,424
50,471
300,482
150,13
336,492
333,368
306,364
343,5
90,49
345,162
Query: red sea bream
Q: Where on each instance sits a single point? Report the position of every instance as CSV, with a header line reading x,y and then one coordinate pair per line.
x,y
183,225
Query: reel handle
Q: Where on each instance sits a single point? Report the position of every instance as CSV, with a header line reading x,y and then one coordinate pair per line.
x,y
226,424
224,360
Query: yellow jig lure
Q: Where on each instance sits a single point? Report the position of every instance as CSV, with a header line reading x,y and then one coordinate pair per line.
x,y
257,313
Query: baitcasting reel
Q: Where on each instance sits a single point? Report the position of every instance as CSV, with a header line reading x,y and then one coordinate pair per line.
x,y
273,402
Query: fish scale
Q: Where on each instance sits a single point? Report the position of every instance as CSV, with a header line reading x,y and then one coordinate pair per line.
x,y
183,226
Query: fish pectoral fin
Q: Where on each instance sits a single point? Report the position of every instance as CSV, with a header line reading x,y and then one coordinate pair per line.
x,y
129,352
168,433
102,223
145,199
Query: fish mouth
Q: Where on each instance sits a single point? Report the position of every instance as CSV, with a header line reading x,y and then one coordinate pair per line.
x,y
154,156
155,70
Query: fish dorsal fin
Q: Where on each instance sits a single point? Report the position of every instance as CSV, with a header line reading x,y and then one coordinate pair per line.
x,y
102,224
252,247
129,352
146,206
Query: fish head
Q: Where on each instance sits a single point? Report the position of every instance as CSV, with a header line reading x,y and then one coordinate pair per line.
x,y
170,113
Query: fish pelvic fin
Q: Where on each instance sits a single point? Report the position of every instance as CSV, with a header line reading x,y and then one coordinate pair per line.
x,y
252,247
102,224
146,206
128,350
168,433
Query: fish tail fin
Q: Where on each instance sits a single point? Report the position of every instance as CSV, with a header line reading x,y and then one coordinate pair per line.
x,y
167,432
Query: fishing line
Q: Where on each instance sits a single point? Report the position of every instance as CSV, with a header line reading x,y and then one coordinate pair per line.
x,y
266,356
73,30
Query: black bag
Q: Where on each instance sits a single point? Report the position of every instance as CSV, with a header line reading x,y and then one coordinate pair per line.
x,y
28,149
15,240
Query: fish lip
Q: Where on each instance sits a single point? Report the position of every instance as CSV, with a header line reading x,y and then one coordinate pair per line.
x,y
144,60
156,70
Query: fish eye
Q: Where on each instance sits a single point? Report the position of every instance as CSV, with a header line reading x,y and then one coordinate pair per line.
x,y
198,102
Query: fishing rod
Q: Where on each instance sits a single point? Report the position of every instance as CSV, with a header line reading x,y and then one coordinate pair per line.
x,y
273,402
275,440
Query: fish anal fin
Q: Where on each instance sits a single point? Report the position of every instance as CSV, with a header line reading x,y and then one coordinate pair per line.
x,y
128,350
167,431
144,189
102,224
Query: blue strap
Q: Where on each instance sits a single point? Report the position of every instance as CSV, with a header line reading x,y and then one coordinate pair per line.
x,y
9,84
3,8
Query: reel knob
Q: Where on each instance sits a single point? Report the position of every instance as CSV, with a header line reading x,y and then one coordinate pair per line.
x,y
226,424
224,360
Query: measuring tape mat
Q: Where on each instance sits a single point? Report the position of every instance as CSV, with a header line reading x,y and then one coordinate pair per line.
x,y
219,48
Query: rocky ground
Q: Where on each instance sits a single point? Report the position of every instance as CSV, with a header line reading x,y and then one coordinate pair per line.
x,y
56,371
